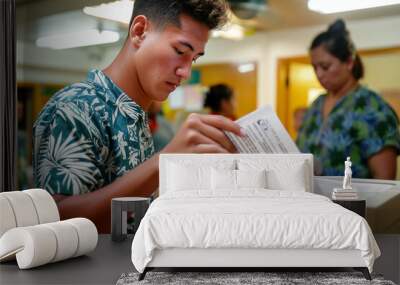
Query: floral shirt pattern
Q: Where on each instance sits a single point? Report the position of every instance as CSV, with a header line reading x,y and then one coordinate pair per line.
x,y
88,134
360,125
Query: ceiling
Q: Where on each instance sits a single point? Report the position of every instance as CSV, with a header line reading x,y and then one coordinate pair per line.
x,y
285,14
280,14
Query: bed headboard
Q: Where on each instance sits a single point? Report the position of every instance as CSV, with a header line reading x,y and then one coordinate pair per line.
x,y
284,162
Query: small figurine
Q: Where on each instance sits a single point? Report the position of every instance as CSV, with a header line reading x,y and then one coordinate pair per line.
x,y
347,192
347,175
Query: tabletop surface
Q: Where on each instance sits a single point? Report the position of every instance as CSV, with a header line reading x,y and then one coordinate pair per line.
x,y
102,266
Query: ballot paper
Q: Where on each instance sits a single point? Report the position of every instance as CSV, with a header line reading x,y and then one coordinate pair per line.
x,y
264,134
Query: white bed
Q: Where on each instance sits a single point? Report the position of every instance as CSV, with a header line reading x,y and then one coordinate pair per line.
x,y
202,219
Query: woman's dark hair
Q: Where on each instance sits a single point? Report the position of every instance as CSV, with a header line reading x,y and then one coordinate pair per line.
x,y
212,13
336,40
215,95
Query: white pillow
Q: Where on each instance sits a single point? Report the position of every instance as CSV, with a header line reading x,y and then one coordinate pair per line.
x,y
251,178
282,174
223,179
185,175
183,178
291,179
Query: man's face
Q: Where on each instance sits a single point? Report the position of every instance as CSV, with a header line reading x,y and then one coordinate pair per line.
x,y
164,58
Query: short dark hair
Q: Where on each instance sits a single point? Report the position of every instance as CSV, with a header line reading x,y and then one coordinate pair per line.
x,y
212,13
337,42
215,95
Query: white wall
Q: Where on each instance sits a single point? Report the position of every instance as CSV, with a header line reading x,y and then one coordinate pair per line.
x,y
378,80
55,66
264,48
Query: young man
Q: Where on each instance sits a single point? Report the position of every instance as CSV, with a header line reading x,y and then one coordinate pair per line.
x,y
92,141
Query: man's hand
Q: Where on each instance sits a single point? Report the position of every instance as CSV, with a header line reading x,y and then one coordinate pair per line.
x,y
204,134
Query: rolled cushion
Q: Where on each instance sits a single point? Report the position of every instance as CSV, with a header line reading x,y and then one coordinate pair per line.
x,y
40,244
7,218
23,208
45,205
66,238
26,208
32,246
87,235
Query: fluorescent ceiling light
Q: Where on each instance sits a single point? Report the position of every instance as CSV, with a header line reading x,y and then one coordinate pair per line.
x,y
120,11
78,39
230,31
246,67
336,6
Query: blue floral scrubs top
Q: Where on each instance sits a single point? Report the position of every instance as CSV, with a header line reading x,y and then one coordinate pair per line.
x,y
88,135
360,125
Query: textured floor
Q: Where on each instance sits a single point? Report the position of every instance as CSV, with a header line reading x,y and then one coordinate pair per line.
x,y
284,278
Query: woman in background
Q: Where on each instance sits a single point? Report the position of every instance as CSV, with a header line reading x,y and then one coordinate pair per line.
x,y
220,100
349,120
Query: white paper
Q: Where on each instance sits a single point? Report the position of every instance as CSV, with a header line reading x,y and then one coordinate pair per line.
x,y
264,134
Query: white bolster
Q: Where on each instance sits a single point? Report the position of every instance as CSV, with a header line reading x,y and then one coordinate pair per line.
x,y
26,208
66,238
23,208
45,205
7,218
40,244
33,246
87,235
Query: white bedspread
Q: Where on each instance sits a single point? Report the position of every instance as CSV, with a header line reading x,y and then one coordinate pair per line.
x,y
250,219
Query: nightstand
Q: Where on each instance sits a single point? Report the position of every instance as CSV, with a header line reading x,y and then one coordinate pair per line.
x,y
119,209
357,206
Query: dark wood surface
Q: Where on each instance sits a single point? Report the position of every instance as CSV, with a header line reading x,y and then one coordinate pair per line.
x,y
357,206
110,259
104,265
